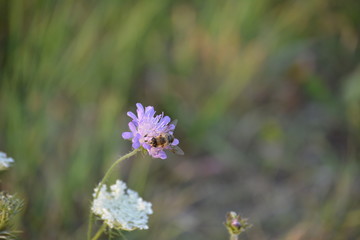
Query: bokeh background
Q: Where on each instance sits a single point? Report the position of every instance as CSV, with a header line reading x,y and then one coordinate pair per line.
x,y
266,93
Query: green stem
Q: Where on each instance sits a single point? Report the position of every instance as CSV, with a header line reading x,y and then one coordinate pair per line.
x,y
107,175
99,232
234,237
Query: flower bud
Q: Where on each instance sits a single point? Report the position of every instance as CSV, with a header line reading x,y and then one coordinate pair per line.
x,y
235,224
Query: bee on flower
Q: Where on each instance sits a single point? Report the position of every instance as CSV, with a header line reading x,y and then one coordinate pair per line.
x,y
155,133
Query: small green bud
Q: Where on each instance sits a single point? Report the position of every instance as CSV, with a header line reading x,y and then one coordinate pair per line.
x,y
235,224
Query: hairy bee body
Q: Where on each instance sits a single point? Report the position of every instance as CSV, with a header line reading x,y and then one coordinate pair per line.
x,y
162,140
165,140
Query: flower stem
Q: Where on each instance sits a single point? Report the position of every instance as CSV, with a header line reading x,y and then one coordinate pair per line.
x,y
99,232
107,175
234,237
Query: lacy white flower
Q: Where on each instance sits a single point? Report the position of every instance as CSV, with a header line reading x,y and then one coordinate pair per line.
x,y
10,206
121,208
146,126
5,161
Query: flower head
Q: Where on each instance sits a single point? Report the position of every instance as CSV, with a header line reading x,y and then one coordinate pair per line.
x,y
236,224
121,208
5,161
10,206
145,126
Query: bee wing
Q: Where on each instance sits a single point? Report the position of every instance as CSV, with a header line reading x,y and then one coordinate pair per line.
x,y
177,150
173,122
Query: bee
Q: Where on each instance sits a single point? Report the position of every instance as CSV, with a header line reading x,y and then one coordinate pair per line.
x,y
163,140
166,139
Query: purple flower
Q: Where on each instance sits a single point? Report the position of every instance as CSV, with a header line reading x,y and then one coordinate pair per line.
x,y
146,126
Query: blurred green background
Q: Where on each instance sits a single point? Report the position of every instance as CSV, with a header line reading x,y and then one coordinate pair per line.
x,y
267,94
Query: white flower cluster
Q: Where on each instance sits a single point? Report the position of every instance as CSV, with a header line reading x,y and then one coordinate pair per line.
x,y
5,161
121,208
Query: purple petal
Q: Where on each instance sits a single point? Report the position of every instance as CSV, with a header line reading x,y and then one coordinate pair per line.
x,y
132,115
175,142
166,120
162,155
127,135
132,127
171,127
149,111
136,123
157,153
136,143
146,146
140,110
